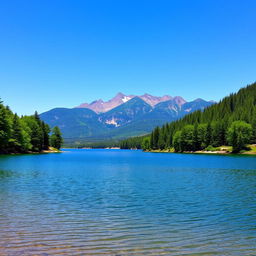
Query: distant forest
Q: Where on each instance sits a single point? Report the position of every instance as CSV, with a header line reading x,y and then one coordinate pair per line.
x,y
232,122
25,134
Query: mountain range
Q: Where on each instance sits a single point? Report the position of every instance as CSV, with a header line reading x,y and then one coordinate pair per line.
x,y
120,117
100,106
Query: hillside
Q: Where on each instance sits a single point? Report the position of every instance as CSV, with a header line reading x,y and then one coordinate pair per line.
x,y
101,106
26,134
133,117
232,121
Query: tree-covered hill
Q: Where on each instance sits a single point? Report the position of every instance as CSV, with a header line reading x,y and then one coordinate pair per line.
x,y
134,117
25,134
230,122
74,123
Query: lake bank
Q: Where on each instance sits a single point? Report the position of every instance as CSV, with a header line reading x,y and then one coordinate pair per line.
x,y
50,150
224,150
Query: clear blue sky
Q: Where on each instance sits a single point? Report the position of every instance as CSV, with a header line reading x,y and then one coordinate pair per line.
x,y
63,53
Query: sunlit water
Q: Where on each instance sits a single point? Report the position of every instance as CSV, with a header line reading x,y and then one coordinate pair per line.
x,y
113,202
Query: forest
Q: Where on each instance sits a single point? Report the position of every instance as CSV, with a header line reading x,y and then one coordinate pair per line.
x,y
231,122
25,134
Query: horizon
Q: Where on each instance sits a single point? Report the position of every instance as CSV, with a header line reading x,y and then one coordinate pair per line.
x,y
63,54
109,99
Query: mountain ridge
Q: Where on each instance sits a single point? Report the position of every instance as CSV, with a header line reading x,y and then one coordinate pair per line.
x,y
100,106
133,117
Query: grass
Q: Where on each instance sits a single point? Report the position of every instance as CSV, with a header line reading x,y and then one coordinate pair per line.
x,y
226,148
250,149
169,150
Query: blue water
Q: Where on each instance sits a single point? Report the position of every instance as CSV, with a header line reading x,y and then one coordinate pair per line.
x,y
120,202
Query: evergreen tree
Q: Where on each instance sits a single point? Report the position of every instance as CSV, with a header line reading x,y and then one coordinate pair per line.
x,y
46,139
151,140
239,134
146,143
177,141
161,140
155,138
56,138
254,126
37,118
196,141
208,135
24,134
213,126
5,129
202,128
36,135
186,138
16,140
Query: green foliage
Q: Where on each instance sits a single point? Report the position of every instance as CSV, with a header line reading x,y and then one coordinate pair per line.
x,y
254,127
91,144
177,141
186,138
214,126
133,118
239,134
146,143
132,143
211,148
5,129
20,135
56,138
201,129
16,140
202,135
154,141
196,141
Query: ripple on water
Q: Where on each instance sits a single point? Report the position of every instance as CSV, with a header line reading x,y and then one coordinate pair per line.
x,y
129,203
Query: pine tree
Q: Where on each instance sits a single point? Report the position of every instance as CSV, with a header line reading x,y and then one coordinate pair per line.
x,y
155,138
161,140
186,138
213,122
24,134
196,141
254,126
208,135
202,135
239,134
151,140
177,141
146,144
16,140
46,139
5,130
56,138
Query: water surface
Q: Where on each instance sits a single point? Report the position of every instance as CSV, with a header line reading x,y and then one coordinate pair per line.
x,y
113,202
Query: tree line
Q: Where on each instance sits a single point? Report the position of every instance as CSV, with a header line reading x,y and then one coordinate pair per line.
x,y
132,143
232,122
25,134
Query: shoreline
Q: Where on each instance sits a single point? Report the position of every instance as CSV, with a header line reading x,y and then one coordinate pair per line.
x,y
50,150
219,152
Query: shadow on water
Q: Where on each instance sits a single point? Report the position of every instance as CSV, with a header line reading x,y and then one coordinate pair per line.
x,y
8,174
15,174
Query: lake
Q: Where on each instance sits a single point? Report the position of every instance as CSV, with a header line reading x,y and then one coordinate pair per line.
x,y
122,202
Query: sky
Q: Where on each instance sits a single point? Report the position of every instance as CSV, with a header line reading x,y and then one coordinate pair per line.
x,y
61,53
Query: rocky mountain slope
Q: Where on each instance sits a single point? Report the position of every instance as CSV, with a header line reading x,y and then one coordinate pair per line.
x,y
120,117
100,106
